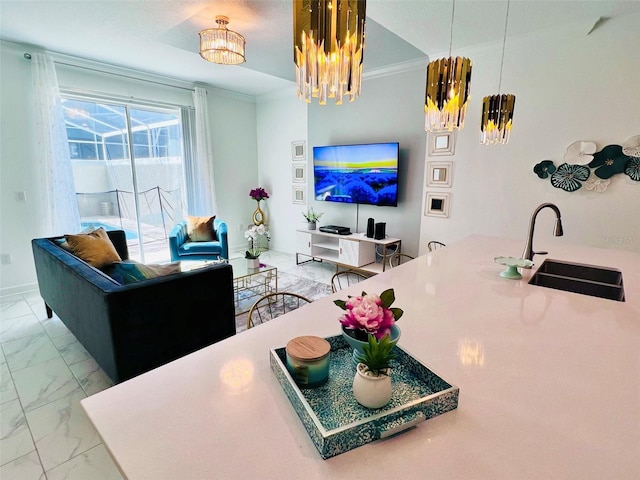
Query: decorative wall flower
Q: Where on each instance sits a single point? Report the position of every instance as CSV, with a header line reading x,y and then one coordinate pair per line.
x,y
631,147
632,169
580,153
544,168
609,161
597,184
568,177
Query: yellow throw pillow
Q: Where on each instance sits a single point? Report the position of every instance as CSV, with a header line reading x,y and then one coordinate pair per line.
x,y
200,229
95,248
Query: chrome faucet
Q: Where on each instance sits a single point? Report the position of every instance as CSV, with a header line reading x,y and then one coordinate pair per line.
x,y
528,252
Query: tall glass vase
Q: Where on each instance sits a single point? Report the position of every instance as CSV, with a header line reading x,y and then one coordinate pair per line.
x,y
258,216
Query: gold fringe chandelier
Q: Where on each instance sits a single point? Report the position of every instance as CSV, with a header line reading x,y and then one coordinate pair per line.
x,y
328,48
447,91
497,110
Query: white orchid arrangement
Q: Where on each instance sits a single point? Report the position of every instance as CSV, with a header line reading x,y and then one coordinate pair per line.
x,y
252,235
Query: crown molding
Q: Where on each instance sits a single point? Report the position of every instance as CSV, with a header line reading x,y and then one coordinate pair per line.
x,y
396,68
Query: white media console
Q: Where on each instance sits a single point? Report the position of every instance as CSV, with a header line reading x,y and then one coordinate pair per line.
x,y
355,251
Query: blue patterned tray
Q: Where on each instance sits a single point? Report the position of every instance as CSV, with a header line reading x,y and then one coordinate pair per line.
x,y
337,423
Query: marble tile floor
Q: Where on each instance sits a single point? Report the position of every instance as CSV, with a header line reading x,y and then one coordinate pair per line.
x,y
45,372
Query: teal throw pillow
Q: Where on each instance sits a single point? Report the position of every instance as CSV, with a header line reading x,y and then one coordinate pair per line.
x,y
130,271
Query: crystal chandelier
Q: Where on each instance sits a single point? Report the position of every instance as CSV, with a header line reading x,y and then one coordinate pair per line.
x,y
447,91
220,45
497,110
328,48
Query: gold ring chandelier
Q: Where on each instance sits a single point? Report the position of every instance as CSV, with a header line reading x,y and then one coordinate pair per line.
x,y
220,45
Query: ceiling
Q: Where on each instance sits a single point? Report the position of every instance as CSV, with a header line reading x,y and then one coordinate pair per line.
x,y
161,36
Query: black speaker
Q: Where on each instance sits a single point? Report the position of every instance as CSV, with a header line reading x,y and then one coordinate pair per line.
x,y
380,231
370,227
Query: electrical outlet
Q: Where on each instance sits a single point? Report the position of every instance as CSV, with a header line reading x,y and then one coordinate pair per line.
x,y
21,196
5,259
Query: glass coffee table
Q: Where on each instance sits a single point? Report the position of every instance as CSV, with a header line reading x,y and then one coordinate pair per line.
x,y
251,283
248,283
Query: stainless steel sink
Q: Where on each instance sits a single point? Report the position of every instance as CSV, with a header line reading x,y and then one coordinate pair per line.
x,y
591,280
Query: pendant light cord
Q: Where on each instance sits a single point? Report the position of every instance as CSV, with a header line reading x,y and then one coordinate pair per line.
x,y
504,42
453,12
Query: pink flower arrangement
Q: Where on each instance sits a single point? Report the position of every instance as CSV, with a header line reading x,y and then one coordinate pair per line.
x,y
369,314
258,194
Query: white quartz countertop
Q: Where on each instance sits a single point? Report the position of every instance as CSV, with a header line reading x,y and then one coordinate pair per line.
x,y
549,384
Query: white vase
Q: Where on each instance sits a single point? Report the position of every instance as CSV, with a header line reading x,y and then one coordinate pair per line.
x,y
371,391
311,225
253,262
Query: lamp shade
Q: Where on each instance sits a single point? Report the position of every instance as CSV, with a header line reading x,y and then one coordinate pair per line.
x,y
328,48
497,119
447,94
220,45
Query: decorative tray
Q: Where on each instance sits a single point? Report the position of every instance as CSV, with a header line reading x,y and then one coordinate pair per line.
x,y
337,423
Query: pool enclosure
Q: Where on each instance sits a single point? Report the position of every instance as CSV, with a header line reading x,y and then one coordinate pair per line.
x,y
128,169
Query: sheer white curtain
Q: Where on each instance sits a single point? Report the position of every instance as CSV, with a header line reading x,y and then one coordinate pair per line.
x,y
60,197
201,196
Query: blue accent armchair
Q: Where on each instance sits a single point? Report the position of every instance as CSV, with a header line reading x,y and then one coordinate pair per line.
x,y
183,249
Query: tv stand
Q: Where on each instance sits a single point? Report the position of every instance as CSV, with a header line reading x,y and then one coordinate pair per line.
x,y
355,251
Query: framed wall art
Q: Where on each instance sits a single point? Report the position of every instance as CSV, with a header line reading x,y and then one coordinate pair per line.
x,y
439,174
299,173
437,204
299,195
298,151
442,143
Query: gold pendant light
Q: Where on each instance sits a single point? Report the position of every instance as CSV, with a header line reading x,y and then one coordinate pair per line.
x,y
497,110
448,91
328,48
220,45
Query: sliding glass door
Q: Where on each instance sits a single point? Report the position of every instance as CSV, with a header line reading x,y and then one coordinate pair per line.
x,y
128,170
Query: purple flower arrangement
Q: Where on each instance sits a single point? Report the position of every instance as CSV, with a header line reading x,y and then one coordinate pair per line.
x,y
258,194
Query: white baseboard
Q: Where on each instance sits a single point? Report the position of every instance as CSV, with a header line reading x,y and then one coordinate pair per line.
x,y
28,287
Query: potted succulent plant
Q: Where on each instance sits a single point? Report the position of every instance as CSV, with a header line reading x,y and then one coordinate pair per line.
x,y
312,218
372,383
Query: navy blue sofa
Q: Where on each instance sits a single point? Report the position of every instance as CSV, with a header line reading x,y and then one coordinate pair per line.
x,y
130,329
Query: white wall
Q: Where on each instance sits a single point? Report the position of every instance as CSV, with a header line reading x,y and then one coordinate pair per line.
x,y
235,159
18,170
390,109
568,87
281,119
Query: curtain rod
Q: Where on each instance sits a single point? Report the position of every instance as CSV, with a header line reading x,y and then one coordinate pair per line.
x,y
131,77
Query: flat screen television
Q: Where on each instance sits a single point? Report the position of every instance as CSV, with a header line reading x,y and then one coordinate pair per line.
x,y
365,173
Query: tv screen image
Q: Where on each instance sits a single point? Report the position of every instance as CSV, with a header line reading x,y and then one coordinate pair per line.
x,y
366,173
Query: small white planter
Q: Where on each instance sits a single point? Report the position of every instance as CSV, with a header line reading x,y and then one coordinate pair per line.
x,y
371,391
253,262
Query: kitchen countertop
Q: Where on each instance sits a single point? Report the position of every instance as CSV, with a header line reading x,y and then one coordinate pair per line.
x,y
549,383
